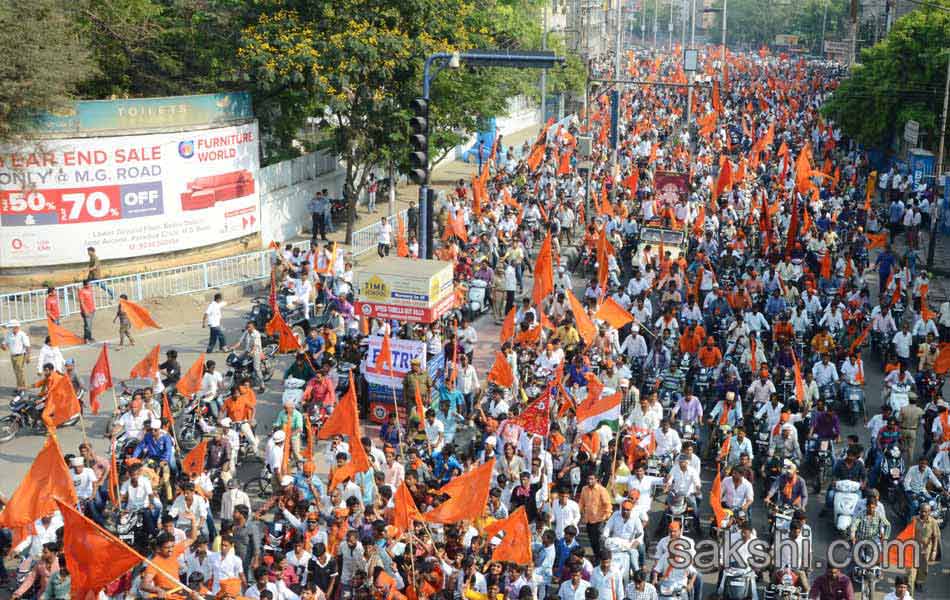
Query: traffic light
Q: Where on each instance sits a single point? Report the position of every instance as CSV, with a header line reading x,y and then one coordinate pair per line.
x,y
419,140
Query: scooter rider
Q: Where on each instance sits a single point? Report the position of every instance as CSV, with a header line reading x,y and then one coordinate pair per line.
x,y
917,484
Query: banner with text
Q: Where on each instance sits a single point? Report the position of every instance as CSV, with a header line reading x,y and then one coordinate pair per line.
x,y
403,352
127,196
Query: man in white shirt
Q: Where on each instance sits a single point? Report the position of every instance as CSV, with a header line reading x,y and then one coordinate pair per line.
x,y
574,588
667,439
685,482
825,372
227,565
18,343
903,340
606,578
564,512
917,483
133,421
623,534
737,491
435,432
212,320
189,503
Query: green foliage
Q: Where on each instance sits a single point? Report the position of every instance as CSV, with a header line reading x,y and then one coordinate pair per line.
x,y
161,48
35,37
900,78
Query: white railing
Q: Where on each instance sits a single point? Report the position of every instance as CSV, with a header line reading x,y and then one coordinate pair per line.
x,y
246,268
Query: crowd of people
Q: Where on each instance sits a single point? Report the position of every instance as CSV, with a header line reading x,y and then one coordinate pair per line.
x,y
655,337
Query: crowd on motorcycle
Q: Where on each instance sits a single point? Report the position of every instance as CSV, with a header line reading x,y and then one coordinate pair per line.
x,y
733,351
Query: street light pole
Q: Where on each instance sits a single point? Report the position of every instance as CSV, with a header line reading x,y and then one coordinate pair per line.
x,y
725,12
824,21
939,172
692,26
544,72
671,26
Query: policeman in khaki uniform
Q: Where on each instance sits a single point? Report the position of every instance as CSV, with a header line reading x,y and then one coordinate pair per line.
x,y
927,536
416,378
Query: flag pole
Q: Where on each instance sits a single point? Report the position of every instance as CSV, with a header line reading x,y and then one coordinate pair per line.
x,y
82,426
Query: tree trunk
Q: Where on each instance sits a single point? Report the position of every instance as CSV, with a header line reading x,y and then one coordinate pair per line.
x,y
351,200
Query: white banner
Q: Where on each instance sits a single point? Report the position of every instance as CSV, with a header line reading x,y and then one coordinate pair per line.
x,y
127,196
403,351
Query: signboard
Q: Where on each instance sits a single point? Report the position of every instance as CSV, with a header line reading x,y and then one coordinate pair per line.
x,y
842,47
403,352
404,282
786,40
911,132
99,116
380,396
671,187
127,196
690,60
404,311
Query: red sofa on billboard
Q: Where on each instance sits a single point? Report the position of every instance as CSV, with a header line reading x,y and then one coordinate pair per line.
x,y
205,192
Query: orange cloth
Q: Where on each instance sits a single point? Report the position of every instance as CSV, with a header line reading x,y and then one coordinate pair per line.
x,y
48,478
138,316
515,547
148,366
168,565
468,495
60,336
238,409
709,357
190,382
543,272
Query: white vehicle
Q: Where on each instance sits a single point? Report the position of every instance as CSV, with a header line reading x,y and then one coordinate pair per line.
x,y
293,390
899,396
847,495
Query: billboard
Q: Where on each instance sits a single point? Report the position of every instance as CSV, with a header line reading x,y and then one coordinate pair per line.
x,y
671,187
127,196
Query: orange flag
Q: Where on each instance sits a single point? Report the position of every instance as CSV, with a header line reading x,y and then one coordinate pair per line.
x,y
100,379
307,428
615,315
48,478
190,382
94,557
942,363
61,402
724,181
60,336
286,340
543,272
385,357
468,495
715,499
138,316
404,511
906,535
508,327
344,420
799,383
877,240
420,407
585,327
564,164
167,416
194,461
860,339
147,368
515,547
402,249
826,265
501,371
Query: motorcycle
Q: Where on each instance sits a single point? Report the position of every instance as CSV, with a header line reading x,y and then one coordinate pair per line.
x,y
196,421
476,300
130,528
892,474
853,401
899,396
780,518
847,495
26,412
787,587
672,590
738,583
821,452
242,366
865,577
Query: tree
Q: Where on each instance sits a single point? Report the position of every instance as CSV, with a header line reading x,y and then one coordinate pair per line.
x,y
899,79
160,48
357,64
36,37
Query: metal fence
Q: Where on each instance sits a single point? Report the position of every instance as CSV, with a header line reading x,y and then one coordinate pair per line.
x,y
30,305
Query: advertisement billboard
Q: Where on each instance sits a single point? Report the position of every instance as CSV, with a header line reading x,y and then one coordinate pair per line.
x,y
404,282
671,187
127,196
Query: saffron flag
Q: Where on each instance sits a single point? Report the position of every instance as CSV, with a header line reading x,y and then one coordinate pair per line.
x,y
402,249
599,411
194,461
94,557
724,181
48,478
908,534
877,240
61,402
147,368
799,383
60,336
167,416
614,314
190,382
942,363
385,357
420,407
468,495
715,500
404,508
515,547
860,340
286,340
344,419
585,327
138,316
508,326
500,373
543,272
100,379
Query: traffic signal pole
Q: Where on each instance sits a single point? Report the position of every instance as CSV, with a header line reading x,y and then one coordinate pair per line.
x,y
419,158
